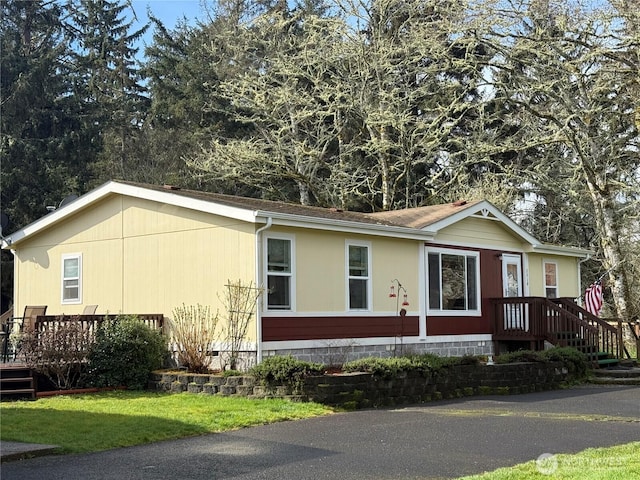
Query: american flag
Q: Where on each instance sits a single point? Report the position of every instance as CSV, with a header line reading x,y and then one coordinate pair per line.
x,y
593,298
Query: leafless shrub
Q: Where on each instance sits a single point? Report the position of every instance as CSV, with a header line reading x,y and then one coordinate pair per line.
x,y
193,332
59,352
240,305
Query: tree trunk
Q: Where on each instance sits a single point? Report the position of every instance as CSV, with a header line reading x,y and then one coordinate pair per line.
x,y
609,242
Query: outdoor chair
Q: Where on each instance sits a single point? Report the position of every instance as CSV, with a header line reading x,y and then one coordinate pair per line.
x,y
26,322
90,310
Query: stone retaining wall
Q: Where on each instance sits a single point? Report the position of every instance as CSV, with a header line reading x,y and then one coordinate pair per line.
x,y
364,390
336,354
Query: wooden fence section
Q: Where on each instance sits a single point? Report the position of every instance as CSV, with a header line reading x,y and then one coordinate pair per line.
x,y
557,321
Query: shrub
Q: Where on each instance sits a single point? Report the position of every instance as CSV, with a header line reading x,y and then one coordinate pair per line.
x,y
240,302
422,364
125,352
575,360
380,367
521,356
58,353
193,332
279,370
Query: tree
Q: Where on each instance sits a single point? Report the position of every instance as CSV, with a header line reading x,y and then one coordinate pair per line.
x,y
365,106
108,80
43,145
571,77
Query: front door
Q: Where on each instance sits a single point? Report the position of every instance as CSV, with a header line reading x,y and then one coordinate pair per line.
x,y
512,288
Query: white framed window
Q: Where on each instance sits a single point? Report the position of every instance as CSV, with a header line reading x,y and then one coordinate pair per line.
x,y
358,262
279,253
72,278
550,279
453,279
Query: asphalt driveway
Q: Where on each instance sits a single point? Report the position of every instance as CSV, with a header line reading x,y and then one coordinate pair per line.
x,y
431,441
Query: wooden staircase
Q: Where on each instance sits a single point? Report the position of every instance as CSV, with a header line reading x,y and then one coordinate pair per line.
x,y
16,382
591,350
561,322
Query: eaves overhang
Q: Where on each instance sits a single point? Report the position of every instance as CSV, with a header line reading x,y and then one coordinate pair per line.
x,y
562,250
240,213
116,188
344,226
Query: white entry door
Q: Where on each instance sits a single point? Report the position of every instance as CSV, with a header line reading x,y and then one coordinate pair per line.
x,y
514,317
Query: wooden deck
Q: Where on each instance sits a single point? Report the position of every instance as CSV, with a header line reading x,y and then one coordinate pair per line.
x,y
88,323
560,322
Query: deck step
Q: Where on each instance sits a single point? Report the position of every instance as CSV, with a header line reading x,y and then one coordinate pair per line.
x,y
16,382
607,361
617,372
614,381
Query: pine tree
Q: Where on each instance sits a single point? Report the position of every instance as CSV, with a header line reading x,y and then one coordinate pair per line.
x,y
108,80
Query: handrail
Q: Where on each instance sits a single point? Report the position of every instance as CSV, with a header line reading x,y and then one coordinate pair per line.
x,y
558,321
4,318
610,337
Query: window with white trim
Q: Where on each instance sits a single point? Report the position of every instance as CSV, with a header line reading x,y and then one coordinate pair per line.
x,y
279,273
358,276
72,278
550,279
453,281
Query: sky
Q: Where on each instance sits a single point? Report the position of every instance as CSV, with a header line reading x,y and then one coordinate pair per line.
x,y
168,11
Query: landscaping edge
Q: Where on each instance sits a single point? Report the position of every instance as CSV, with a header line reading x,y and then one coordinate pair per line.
x,y
365,390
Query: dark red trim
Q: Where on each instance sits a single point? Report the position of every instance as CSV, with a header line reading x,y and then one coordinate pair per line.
x,y
327,328
490,287
319,328
457,325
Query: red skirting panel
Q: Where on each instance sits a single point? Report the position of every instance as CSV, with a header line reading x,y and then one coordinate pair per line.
x,y
457,325
317,328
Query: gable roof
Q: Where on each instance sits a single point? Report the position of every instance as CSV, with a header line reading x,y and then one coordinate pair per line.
x,y
421,223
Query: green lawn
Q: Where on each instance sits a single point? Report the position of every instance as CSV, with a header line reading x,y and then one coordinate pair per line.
x,y
621,462
88,423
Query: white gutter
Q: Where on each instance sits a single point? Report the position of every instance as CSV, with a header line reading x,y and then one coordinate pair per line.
x,y
259,303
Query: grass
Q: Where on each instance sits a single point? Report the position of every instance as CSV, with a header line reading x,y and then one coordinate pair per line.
x,y
621,462
101,421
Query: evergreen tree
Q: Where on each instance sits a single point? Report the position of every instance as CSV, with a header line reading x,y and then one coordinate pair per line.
x,y
108,81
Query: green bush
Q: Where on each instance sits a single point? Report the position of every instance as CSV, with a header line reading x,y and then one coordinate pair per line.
x,y
125,352
575,360
287,370
380,367
391,367
521,356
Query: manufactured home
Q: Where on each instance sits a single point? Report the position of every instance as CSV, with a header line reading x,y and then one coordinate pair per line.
x,y
454,279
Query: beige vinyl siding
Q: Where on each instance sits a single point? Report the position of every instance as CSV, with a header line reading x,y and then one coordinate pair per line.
x,y
395,259
138,257
479,232
321,270
567,275
101,222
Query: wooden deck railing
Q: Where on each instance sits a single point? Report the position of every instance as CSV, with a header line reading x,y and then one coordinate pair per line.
x,y
90,322
44,323
609,337
558,321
